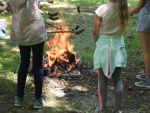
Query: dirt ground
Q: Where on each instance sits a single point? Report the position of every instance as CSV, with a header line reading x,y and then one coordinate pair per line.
x,y
79,94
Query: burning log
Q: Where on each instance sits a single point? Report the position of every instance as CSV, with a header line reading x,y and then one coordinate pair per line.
x,y
63,65
70,56
61,68
61,56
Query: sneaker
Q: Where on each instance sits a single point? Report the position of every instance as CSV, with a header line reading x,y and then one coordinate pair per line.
x,y
141,76
102,111
18,101
143,84
116,111
38,103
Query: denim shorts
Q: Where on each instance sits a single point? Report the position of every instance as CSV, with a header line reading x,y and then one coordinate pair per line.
x,y
144,19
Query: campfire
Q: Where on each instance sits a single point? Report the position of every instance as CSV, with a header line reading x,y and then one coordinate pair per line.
x,y
60,58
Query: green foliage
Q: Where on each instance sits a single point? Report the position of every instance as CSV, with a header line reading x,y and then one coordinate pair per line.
x,y
132,40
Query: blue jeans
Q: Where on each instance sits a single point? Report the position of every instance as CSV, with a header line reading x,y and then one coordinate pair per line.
x,y
37,59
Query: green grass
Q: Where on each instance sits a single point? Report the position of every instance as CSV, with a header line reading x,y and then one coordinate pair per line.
x,y
8,60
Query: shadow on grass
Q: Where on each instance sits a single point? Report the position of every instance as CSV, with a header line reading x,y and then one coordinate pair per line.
x,y
9,60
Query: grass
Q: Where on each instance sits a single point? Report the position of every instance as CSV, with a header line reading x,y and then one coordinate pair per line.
x,y
8,60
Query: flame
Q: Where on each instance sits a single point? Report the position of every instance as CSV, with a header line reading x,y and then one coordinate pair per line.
x,y
60,42
59,46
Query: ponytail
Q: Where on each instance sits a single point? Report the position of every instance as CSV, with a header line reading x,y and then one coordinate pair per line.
x,y
123,8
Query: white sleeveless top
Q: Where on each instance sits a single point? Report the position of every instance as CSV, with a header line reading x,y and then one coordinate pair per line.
x,y
109,13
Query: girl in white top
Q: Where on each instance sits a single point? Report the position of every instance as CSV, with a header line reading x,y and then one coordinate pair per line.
x,y
110,55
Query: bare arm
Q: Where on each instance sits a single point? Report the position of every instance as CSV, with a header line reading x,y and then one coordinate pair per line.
x,y
138,7
96,28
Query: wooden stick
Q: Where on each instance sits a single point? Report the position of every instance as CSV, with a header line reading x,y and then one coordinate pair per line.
x,y
66,31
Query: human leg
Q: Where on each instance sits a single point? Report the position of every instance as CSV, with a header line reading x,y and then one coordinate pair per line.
x,y
145,43
22,74
23,68
38,68
102,90
144,36
118,85
38,73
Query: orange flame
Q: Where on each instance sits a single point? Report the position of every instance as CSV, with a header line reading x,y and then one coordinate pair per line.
x,y
60,43
58,46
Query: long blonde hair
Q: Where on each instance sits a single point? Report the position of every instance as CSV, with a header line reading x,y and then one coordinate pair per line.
x,y
123,11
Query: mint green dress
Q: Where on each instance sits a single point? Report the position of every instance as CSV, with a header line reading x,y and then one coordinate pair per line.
x,y
110,47
109,54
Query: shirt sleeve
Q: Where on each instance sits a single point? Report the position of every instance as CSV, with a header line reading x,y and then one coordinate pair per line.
x,y
100,11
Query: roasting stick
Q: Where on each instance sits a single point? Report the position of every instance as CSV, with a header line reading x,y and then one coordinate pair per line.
x,y
66,31
73,30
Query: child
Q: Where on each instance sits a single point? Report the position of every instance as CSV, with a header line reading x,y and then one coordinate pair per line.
x,y
110,55
28,32
143,28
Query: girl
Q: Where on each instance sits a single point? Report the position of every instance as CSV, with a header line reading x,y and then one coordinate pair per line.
x,y
143,28
110,55
28,32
